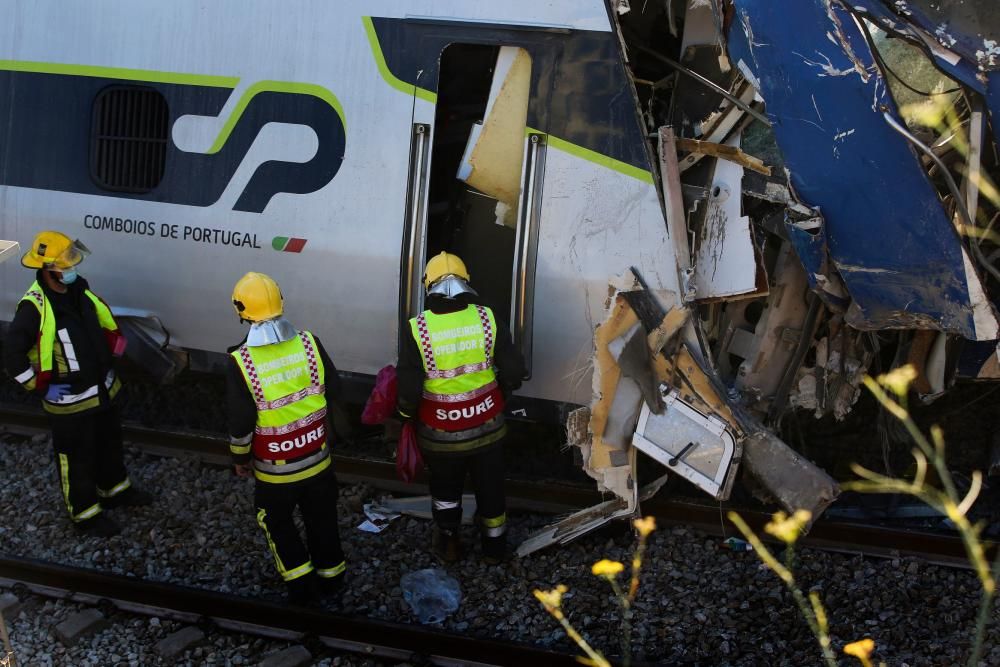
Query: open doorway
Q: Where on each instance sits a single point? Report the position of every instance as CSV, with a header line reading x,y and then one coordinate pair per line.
x,y
475,169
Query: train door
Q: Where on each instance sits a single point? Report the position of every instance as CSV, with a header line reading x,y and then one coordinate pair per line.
x,y
475,182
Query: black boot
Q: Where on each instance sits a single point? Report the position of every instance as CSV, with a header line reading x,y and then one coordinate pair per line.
x,y
496,551
130,497
302,592
98,526
446,545
331,590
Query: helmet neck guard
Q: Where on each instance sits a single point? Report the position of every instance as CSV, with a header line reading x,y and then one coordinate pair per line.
x,y
450,287
270,332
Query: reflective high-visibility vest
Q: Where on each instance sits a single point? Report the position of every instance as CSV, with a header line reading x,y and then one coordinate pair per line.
x,y
42,354
460,384
286,380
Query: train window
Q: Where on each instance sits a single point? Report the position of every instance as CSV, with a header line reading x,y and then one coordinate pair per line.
x,y
475,173
128,148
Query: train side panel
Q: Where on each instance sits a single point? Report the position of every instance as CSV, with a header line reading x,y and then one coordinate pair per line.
x,y
288,152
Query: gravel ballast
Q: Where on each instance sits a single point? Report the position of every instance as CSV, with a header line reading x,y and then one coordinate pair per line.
x,y
698,603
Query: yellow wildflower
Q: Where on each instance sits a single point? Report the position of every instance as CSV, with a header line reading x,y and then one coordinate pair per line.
x,y
862,650
551,599
609,569
788,528
898,380
645,526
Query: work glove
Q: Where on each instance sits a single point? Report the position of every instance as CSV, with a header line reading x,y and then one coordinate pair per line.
x,y
56,392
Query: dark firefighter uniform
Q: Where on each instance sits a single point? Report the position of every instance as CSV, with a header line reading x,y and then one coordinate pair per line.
x,y
60,346
454,373
278,391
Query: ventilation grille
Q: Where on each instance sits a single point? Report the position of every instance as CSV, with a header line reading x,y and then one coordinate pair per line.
x,y
129,146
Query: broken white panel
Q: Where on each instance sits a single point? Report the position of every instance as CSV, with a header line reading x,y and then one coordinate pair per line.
x,y
582,522
575,525
420,507
698,447
699,26
8,249
725,258
495,150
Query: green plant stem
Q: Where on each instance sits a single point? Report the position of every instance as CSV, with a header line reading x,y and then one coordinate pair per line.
x,y
785,574
946,501
985,606
624,601
595,657
821,637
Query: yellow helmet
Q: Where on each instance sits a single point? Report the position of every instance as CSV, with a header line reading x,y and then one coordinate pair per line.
x,y
257,298
54,250
442,265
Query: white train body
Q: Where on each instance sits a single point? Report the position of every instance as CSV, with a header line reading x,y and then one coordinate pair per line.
x,y
254,92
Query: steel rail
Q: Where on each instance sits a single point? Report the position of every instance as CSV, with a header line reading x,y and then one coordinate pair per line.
x,y
366,636
549,497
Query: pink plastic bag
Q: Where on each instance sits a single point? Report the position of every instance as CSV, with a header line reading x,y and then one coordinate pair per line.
x,y
382,402
409,462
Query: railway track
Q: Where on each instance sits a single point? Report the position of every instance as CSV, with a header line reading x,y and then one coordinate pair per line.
x,y
558,498
365,636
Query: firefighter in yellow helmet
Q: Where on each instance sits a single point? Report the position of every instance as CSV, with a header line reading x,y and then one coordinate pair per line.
x,y
454,373
60,346
279,390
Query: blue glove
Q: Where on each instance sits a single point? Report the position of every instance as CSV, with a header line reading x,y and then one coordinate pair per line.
x,y
56,391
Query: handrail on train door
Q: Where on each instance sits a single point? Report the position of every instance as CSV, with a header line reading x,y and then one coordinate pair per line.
x,y
526,244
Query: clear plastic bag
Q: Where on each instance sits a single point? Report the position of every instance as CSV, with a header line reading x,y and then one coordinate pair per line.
x,y
432,594
382,401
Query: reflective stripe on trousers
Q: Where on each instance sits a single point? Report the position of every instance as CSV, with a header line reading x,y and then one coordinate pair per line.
x,y
114,490
331,572
88,513
494,526
286,574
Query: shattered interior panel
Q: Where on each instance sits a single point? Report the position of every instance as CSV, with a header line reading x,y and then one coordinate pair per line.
x,y
827,171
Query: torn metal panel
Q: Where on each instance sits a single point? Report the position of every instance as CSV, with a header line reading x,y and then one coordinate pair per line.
x,y
808,238
631,353
674,206
776,333
726,258
826,97
832,384
697,434
794,481
604,411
